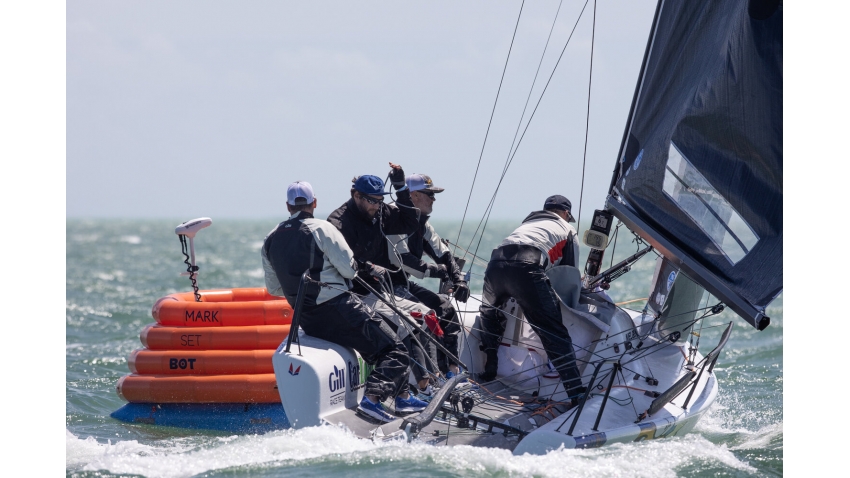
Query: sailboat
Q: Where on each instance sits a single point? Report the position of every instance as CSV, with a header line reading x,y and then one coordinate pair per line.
x,y
698,182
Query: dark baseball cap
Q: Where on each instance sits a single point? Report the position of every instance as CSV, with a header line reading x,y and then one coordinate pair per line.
x,y
560,202
368,184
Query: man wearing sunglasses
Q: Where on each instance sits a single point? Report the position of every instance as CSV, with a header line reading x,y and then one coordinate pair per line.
x,y
365,220
408,252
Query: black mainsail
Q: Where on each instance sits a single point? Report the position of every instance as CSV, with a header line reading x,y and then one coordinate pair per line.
x,y
699,173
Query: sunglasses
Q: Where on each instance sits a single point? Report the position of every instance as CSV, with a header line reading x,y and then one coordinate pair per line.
x,y
369,200
427,193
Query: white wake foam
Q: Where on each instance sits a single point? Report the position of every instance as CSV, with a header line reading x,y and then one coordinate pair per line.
x,y
187,456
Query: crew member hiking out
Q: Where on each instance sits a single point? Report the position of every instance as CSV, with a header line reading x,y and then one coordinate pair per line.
x,y
517,269
365,220
408,251
304,243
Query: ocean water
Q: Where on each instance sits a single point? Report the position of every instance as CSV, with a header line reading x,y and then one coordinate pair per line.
x,y
115,271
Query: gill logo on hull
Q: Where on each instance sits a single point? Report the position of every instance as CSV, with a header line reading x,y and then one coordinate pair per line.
x,y
296,371
336,380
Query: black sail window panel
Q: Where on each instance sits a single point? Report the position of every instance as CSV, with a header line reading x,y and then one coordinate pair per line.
x,y
694,195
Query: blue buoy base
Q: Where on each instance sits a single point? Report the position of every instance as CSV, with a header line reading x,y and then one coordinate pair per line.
x,y
228,417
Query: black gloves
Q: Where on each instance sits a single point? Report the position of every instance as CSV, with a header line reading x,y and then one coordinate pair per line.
x,y
455,274
438,270
397,177
373,270
461,292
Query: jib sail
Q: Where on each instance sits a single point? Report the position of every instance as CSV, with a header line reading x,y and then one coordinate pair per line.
x,y
699,173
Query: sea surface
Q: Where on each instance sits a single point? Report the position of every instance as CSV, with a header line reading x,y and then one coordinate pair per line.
x,y
117,269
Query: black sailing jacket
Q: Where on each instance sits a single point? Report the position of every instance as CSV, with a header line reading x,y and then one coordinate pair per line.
x,y
366,237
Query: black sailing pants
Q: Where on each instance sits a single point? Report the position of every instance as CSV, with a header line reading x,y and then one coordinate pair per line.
x,y
527,283
344,320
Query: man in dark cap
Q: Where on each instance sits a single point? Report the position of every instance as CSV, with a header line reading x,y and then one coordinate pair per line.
x,y
365,220
517,269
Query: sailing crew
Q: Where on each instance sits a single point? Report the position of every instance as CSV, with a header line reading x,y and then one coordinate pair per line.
x,y
304,243
517,269
409,250
365,221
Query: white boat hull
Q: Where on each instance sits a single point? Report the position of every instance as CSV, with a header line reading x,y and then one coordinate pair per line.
x,y
310,398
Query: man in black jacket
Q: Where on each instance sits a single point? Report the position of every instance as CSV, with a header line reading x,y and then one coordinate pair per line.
x,y
365,220
304,243
411,249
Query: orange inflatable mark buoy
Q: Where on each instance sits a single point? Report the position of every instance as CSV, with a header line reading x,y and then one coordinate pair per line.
x,y
256,388
200,362
249,337
221,308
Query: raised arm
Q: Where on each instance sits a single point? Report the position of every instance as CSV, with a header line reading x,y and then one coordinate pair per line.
x,y
401,217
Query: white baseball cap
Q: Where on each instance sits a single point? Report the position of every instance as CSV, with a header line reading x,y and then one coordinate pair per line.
x,y
299,193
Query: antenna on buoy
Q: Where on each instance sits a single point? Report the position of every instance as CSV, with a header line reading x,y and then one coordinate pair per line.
x,y
189,229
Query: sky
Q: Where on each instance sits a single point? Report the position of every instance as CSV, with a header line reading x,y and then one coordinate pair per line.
x,y
211,108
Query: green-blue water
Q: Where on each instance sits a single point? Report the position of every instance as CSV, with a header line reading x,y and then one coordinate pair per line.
x,y
117,269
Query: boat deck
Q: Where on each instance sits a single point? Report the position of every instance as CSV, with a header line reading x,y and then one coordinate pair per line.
x,y
499,417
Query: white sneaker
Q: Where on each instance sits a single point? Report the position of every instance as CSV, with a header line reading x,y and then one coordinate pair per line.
x,y
426,392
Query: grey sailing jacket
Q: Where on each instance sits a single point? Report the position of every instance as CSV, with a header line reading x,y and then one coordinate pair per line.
x,y
305,243
549,233
425,240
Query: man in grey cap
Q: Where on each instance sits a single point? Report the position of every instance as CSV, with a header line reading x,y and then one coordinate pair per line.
x,y
517,269
408,251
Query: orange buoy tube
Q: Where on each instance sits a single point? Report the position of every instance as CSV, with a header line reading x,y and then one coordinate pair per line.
x,y
200,362
222,308
249,337
245,388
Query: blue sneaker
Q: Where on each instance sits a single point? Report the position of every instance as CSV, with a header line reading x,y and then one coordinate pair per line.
x,y
411,404
375,410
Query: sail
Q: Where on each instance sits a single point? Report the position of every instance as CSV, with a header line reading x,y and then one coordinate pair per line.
x,y
699,173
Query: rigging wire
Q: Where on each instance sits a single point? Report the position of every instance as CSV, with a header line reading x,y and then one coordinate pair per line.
x,y
481,155
638,354
587,119
519,124
616,235
537,406
489,208
475,259
695,347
